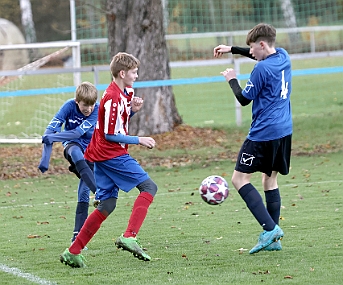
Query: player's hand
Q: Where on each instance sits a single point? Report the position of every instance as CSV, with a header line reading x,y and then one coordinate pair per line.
x,y
147,141
229,74
136,104
47,139
219,50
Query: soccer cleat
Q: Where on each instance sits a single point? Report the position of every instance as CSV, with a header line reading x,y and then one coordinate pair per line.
x,y
273,246
266,238
73,260
132,245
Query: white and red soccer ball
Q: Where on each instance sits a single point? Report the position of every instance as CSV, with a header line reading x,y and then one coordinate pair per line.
x,y
214,190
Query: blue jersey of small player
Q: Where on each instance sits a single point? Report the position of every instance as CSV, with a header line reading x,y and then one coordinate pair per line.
x,y
270,87
70,115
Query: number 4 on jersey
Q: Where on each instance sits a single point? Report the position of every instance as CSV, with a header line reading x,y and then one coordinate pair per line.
x,y
284,86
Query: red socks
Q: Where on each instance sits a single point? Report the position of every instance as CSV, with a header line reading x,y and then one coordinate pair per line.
x,y
139,212
89,229
95,219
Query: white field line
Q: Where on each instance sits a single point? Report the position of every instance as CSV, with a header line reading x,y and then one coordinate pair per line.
x,y
17,272
174,192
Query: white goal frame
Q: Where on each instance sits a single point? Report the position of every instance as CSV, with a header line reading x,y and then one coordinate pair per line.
x,y
75,46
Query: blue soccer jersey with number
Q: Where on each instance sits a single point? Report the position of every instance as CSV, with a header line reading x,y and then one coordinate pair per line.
x,y
70,115
269,87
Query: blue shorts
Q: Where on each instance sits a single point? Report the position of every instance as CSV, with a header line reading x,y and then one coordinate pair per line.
x,y
122,172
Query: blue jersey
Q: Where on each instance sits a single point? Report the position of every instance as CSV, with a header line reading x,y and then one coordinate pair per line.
x,y
70,115
269,87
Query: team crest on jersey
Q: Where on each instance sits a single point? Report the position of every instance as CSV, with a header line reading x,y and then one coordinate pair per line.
x,y
248,86
247,159
85,126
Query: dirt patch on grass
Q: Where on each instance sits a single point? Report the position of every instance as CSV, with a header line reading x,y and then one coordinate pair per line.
x,y
21,161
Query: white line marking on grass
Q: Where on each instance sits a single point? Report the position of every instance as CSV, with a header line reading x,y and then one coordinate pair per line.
x,y
17,272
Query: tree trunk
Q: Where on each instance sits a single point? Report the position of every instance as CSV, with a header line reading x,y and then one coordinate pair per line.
x,y
136,27
27,21
290,19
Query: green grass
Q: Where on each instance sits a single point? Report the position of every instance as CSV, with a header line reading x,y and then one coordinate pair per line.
x,y
190,242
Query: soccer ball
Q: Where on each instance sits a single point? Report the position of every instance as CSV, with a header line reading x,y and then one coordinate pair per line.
x,y
214,190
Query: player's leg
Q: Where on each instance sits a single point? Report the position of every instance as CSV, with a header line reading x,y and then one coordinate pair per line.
x,y
81,213
128,240
82,168
281,163
273,203
250,160
129,175
147,190
272,195
253,199
72,255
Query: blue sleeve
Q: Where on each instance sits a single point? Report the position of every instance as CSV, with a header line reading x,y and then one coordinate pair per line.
x,y
120,138
61,137
60,117
44,162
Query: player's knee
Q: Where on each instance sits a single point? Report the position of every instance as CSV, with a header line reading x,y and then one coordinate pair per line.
x,y
106,207
81,165
148,186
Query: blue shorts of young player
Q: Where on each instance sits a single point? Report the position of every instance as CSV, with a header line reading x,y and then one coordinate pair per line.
x,y
122,172
265,156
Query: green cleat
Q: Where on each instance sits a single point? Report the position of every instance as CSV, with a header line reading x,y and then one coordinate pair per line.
x,y
266,238
132,245
275,246
73,260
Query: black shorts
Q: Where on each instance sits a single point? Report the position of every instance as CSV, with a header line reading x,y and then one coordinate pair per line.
x,y
265,157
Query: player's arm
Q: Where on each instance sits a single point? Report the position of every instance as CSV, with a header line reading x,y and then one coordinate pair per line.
x,y
237,90
242,51
221,49
120,138
61,137
230,76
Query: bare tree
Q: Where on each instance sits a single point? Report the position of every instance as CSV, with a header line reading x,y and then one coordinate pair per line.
x,y
136,27
27,21
290,19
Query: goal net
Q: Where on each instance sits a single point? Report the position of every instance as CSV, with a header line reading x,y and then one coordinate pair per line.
x,y
25,115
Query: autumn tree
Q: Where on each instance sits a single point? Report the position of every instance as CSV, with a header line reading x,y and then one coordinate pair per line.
x,y
136,27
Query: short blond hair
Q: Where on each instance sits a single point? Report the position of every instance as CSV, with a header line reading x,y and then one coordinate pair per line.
x,y
87,93
123,61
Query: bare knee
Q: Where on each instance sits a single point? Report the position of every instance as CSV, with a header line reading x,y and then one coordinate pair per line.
x,y
239,179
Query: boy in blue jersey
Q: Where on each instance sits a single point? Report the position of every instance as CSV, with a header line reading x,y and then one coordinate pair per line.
x,y
267,148
79,117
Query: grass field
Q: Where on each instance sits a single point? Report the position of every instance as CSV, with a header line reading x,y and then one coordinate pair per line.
x,y
191,242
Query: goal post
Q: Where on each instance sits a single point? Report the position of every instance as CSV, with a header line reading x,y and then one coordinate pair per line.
x,y
24,121
75,47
